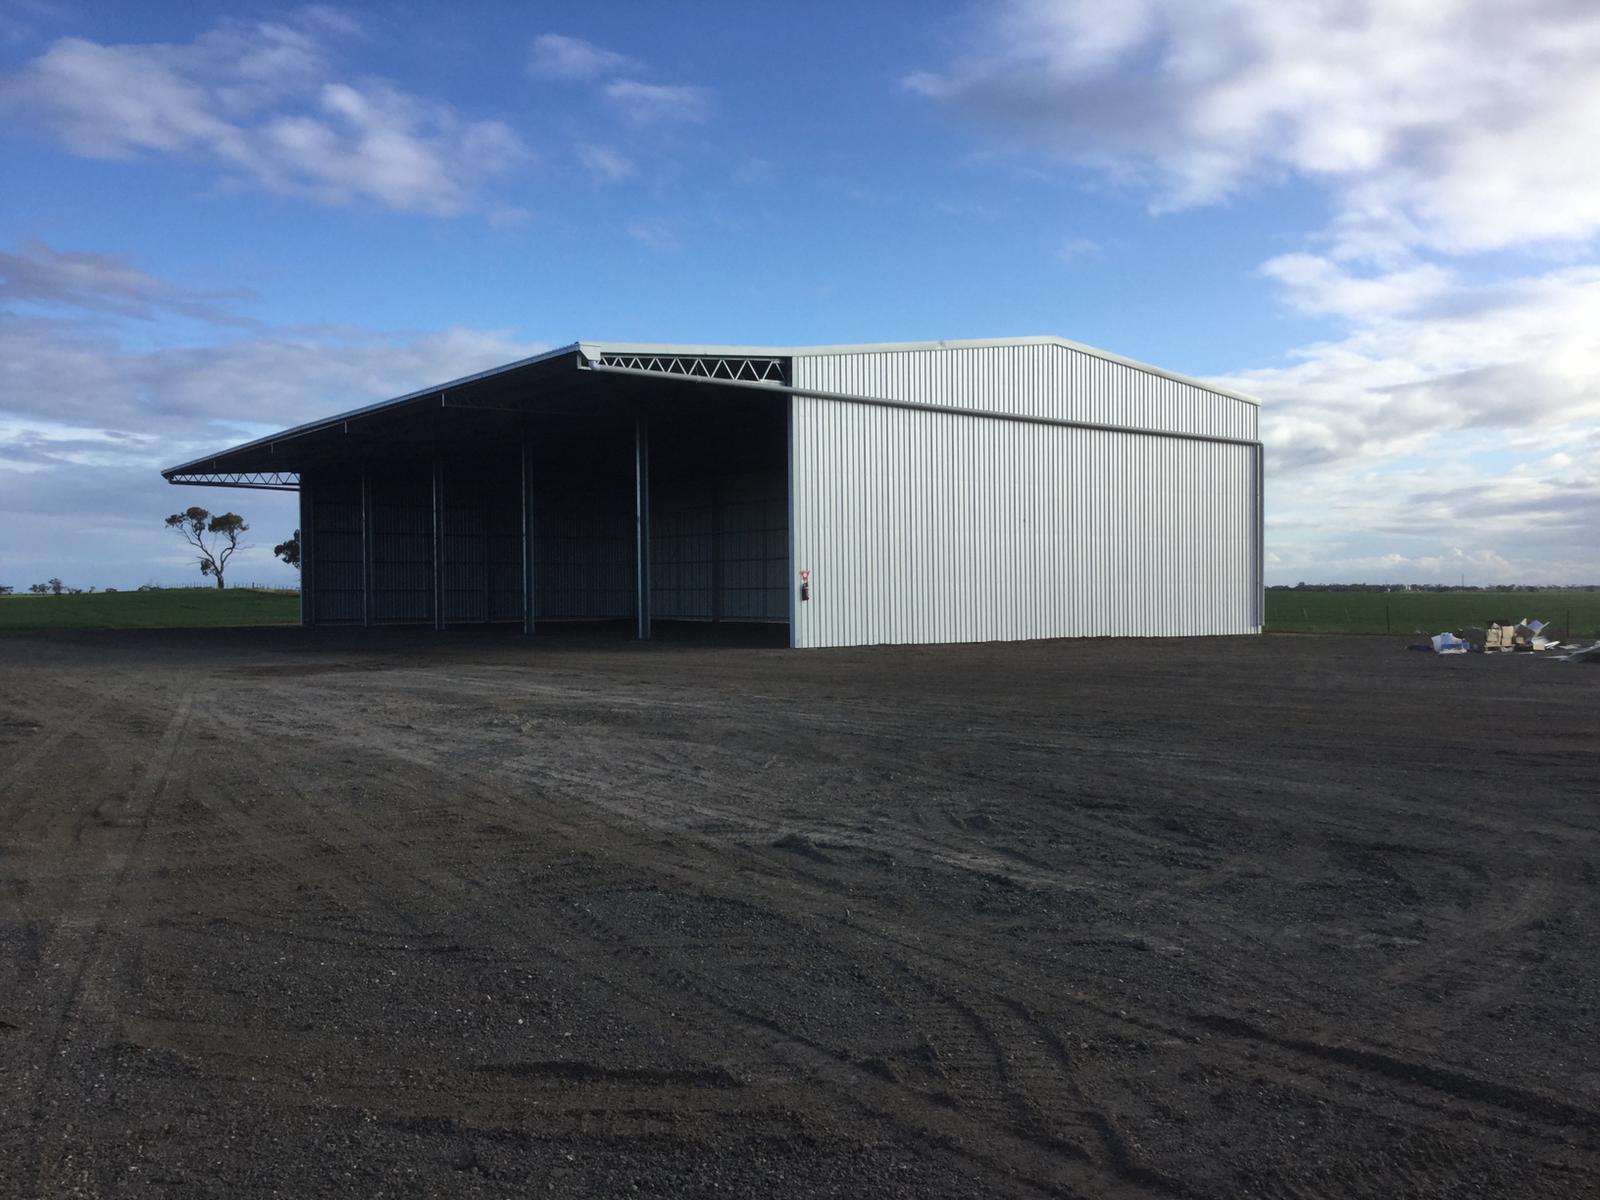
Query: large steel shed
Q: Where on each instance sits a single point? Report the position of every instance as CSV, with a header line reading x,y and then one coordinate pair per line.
x,y
914,492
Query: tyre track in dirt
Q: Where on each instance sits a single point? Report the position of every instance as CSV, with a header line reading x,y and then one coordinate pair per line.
x,y
1030,1027
1456,1086
92,995
609,955
1180,1026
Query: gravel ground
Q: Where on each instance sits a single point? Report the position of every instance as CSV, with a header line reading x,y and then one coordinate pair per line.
x,y
304,913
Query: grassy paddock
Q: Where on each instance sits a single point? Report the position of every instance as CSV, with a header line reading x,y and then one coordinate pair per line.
x,y
1429,612
167,608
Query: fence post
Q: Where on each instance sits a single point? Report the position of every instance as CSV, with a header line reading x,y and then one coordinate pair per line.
x,y
1386,628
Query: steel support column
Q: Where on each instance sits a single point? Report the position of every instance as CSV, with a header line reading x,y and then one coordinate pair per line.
x,y
528,614
641,521
716,549
308,598
366,544
792,578
438,544
1258,548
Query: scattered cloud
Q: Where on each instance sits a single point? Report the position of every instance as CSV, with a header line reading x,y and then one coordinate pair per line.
x,y
637,104
508,216
21,20
1322,287
258,102
1448,126
89,416
557,56
40,276
92,378
655,233
1508,357
604,163
658,103
1073,248
1436,423
1471,415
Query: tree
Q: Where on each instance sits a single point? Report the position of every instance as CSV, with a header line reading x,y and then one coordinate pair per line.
x,y
196,526
56,587
5,589
39,589
289,551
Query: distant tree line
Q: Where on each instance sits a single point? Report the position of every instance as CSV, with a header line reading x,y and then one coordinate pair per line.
x,y
1434,587
216,538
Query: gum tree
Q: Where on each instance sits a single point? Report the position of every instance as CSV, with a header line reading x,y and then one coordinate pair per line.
x,y
215,537
289,551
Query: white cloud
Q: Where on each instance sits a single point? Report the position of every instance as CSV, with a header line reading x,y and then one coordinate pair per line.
x,y
557,56
258,102
604,163
89,417
656,233
1447,426
1451,125
657,103
1510,357
1321,287
1471,422
1073,248
90,378
41,276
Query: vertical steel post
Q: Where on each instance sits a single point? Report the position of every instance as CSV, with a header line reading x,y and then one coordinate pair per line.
x,y
366,543
528,614
788,469
1261,537
438,544
308,599
716,548
641,520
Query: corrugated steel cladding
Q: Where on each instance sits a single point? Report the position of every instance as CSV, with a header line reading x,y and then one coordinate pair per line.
x,y
920,525
933,493
1045,380
719,548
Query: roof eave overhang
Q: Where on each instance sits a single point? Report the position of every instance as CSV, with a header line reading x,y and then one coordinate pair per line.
x,y
209,463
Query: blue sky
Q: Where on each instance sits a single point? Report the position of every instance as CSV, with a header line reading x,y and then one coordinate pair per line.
x,y
1378,218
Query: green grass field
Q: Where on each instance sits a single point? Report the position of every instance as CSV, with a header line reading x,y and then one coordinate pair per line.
x,y
1287,612
1429,612
167,608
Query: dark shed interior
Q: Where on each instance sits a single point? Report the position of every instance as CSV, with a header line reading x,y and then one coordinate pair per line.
x,y
544,492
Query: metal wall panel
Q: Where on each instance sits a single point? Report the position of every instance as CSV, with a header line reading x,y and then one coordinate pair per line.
x,y
402,544
482,567
1031,379
923,526
335,541
719,548
683,534
754,536
583,565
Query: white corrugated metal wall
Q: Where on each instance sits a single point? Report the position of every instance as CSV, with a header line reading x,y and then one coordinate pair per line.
x,y
935,526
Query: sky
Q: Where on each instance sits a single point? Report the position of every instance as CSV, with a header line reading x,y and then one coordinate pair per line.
x,y
1377,216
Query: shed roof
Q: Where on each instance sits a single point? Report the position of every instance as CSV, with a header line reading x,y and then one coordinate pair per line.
x,y
416,417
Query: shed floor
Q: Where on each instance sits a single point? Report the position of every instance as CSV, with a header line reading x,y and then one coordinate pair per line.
x,y
311,912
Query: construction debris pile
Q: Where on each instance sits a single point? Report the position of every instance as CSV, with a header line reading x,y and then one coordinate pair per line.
x,y
1509,637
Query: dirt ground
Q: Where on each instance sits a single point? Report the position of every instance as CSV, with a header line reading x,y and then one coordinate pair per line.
x,y
384,913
